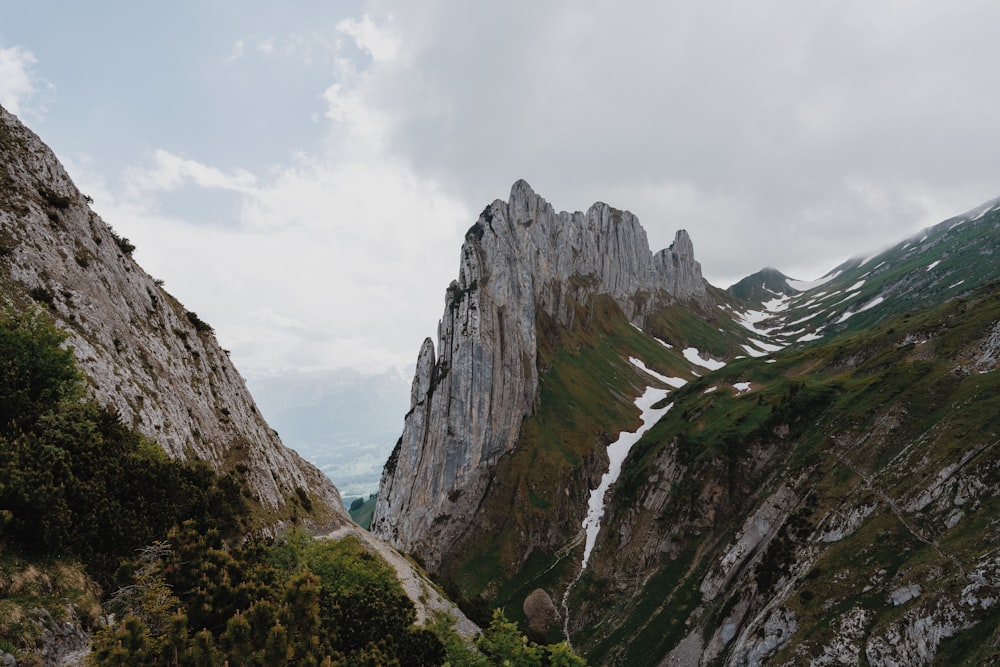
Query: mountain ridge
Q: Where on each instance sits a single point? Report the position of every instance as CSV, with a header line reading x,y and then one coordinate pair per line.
x,y
157,363
520,260
730,506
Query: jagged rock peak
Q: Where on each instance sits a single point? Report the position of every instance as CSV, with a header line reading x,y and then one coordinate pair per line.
x,y
521,258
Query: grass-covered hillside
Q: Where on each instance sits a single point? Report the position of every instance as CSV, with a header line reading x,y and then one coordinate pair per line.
x,y
834,504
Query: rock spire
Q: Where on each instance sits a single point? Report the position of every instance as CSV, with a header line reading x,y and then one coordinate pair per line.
x,y
468,400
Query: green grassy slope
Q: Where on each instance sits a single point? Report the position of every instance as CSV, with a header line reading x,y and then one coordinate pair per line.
x,y
887,439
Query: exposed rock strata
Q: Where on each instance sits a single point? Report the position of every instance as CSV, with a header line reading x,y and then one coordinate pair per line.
x,y
157,364
468,400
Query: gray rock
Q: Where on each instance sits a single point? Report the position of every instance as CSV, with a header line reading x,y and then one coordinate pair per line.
x,y
468,400
143,354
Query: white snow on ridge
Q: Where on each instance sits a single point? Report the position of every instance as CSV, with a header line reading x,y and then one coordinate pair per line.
x,y
767,346
956,284
663,343
741,387
851,313
933,264
749,320
856,286
676,383
808,337
806,285
868,259
617,452
694,356
777,305
807,317
985,211
753,352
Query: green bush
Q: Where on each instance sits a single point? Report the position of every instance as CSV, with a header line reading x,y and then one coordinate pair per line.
x,y
73,479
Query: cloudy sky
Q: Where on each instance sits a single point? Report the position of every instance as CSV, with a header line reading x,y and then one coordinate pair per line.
x,y
302,173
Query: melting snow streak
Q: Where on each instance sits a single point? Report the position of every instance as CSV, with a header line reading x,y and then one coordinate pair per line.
x,y
694,356
617,451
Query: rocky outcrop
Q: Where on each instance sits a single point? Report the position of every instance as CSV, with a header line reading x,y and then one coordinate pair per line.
x,y
468,400
143,353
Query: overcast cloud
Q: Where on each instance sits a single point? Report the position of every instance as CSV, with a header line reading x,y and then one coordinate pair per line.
x,y
303,177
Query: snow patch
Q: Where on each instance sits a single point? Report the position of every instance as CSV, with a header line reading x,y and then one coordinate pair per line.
x,y
956,284
808,337
933,264
663,343
766,346
741,387
856,286
710,389
871,304
676,383
617,452
806,285
851,313
752,352
777,305
694,356
807,317
749,320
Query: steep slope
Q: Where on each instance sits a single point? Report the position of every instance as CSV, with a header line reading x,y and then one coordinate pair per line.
x,y
790,491
942,262
156,363
531,376
837,506
763,286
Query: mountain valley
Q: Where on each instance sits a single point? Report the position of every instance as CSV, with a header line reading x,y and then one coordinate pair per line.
x,y
629,462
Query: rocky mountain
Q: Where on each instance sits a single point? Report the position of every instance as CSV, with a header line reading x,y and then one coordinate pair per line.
x,y
664,473
762,286
156,363
525,270
160,368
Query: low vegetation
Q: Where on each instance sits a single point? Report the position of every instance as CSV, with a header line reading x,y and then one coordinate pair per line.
x,y
99,529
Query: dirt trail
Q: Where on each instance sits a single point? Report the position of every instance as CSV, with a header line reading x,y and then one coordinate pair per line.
x,y
418,588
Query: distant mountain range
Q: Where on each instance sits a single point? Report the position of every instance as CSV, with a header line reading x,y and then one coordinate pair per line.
x,y
343,422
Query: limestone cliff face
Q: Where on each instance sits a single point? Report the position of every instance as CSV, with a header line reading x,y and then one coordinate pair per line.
x,y
143,353
469,398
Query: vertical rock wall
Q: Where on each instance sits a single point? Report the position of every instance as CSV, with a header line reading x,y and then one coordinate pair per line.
x,y
468,400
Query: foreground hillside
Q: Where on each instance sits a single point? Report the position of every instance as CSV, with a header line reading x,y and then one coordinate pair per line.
x,y
158,364
125,430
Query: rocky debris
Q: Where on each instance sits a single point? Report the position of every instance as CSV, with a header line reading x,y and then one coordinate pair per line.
x,y
469,399
904,594
143,353
757,531
988,354
846,647
540,611
752,649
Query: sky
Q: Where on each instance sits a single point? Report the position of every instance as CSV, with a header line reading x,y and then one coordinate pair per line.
x,y
302,174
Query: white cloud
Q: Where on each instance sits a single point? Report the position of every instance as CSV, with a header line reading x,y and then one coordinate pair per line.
x,y
237,52
335,258
18,84
778,133
377,40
